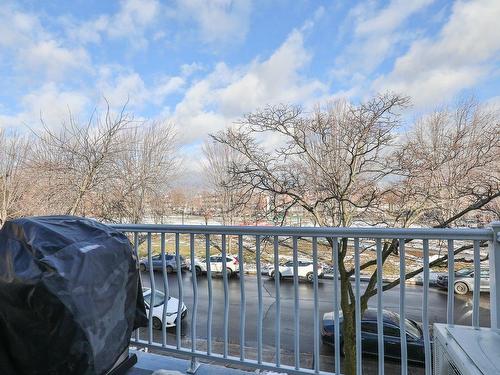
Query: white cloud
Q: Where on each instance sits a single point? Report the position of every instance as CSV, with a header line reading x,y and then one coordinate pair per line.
x,y
226,94
274,80
464,52
218,20
389,18
52,59
17,28
132,20
122,88
376,34
167,86
50,103
138,21
195,114
116,84
35,50
120,85
189,69
53,104
86,32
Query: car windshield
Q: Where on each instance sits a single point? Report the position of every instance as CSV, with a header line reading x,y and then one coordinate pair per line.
x,y
158,299
411,327
463,272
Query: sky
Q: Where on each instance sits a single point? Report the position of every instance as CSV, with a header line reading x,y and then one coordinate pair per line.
x,y
202,64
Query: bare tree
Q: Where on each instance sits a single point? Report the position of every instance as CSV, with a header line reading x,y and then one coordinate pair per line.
x,y
450,161
449,168
219,159
73,160
339,164
143,170
13,151
328,162
110,167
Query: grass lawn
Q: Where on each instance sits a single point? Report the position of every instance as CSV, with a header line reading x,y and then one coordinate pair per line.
x,y
391,266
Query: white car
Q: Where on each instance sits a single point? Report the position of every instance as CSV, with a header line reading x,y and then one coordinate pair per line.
x,y
305,270
232,265
171,309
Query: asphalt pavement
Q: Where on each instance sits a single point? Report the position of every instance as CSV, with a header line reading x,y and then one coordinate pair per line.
x,y
413,298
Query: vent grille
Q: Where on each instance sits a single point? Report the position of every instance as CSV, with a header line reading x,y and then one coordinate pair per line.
x,y
453,369
443,365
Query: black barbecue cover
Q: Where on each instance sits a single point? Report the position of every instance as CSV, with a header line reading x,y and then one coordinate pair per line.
x,y
70,296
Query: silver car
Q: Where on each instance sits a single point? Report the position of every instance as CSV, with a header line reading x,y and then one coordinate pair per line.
x,y
170,263
464,280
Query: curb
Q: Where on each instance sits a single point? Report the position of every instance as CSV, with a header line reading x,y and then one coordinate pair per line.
x,y
362,278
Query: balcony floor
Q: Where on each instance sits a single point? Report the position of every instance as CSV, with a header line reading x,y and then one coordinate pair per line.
x,y
147,363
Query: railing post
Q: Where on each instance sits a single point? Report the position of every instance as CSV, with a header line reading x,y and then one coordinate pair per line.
x,y
494,256
193,366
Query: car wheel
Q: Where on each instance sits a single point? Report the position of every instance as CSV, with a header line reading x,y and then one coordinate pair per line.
x,y
142,267
229,272
157,323
169,269
310,277
197,270
279,275
461,288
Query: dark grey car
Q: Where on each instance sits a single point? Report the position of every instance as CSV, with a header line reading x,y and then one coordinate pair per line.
x,y
170,263
464,280
392,338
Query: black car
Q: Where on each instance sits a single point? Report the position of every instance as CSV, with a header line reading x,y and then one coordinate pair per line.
x,y
369,337
170,263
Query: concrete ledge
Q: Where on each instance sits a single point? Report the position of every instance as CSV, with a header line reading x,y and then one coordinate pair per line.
x,y
147,363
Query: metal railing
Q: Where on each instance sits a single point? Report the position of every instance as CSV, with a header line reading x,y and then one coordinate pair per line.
x,y
273,236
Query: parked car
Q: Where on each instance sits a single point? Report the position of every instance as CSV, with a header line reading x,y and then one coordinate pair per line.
x,y
158,301
369,336
305,270
232,265
464,280
170,263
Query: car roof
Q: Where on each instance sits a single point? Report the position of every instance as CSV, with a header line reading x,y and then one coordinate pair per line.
x,y
370,314
471,269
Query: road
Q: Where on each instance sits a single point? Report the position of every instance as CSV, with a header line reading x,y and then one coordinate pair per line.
x,y
413,293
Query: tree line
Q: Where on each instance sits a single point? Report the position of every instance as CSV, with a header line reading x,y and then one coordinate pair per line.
x,y
360,162
339,163
110,167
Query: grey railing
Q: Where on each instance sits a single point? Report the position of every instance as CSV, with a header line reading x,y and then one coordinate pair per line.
x,y
143,233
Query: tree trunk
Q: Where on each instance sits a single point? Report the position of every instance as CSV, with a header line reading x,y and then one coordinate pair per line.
x,y
348,327
3,209
81,193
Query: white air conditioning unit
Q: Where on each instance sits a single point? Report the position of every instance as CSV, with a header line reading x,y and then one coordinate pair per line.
x,y
460,350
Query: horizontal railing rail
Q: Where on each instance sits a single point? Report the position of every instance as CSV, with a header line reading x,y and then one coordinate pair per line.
x,y
340,232
145,238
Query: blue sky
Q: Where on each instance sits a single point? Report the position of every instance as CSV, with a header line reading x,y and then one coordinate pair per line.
x,y
201,64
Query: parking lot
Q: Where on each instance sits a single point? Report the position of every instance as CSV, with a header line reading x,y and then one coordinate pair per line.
x,y
414,293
